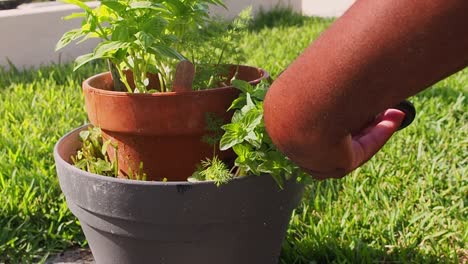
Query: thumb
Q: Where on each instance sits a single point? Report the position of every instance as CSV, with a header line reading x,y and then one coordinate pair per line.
x,y
367,144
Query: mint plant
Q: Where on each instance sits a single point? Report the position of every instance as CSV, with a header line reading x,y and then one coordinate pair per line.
x,y
247,136
151,37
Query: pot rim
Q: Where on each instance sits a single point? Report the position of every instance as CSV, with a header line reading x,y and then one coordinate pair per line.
x,y
69,166
86,85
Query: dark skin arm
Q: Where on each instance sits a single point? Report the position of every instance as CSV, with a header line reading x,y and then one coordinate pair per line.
x,y
321,111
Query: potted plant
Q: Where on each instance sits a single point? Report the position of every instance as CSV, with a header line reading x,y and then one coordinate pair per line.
x,y
146,104
152,108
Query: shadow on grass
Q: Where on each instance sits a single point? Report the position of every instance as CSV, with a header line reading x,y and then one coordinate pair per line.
x,y
281,16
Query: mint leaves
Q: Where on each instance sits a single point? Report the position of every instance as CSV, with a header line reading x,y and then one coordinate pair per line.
x,y
247,136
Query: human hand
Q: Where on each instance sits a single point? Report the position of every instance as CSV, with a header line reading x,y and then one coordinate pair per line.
x,y
366,143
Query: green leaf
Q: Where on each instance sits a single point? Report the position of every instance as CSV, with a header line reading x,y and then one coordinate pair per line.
x,y
177,7
148,5
278,179
238,103
104,48
242,151
260,91
234,135
249,103
104,147
120,33
75,15
237,117
83,59
102,166
244,86
88,36
78,3
84,135
254,139
68,37
90,23
104,14
250,162
144,40
168,52
118,7
155,26
252,119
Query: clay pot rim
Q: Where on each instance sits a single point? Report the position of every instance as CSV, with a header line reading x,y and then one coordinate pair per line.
x,y
87,86
74,133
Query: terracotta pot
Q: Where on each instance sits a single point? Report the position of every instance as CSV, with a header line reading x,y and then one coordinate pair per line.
x,y
163,131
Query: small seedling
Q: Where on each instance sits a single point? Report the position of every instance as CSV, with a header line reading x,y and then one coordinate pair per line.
x,y
92,156
212,170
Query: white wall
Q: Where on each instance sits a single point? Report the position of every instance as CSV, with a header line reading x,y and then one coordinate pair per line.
x,y
236,6
325,8
29,33
322,8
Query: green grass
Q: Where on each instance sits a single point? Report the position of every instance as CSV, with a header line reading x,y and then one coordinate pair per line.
x,y
406,205
36,108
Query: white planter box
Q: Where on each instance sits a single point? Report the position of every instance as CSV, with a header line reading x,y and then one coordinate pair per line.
x,y
321,8
30,32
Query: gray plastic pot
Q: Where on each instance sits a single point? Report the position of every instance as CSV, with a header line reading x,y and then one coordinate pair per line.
x,y
128,221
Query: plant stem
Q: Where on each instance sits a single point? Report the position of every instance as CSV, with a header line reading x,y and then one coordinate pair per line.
x,y
118,84
116,159
162,77
123,78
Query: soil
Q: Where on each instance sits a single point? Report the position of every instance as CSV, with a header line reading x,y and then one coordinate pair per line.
x,y
73,256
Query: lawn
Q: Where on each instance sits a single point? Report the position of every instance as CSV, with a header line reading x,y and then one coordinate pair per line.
x,y
406,205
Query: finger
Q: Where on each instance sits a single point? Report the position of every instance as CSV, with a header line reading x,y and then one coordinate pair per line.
x,y
367,144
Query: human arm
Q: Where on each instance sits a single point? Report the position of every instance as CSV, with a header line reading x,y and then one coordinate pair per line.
x,y
320,111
